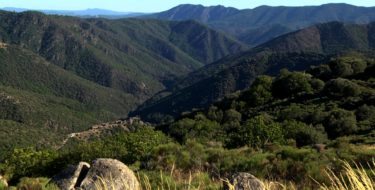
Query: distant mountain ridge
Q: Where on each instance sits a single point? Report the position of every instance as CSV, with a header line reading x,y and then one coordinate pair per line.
x,y
258,25
295,51
80,13
196,12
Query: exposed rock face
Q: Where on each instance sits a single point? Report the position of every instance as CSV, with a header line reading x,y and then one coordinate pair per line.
x,y
103,174
71,177
3,181
245,181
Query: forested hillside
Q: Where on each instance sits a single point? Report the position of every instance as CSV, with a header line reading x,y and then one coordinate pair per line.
x,y
295,51
63,74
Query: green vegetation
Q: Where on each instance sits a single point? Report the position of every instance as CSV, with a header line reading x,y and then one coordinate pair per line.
x,y
60,75
273,137
296,51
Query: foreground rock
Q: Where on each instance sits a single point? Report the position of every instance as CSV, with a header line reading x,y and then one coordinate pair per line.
x,y
110,174
244,181
3,181
103,174
71,177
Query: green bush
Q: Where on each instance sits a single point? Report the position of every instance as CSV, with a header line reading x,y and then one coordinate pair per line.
x,y
340,122
29,162
259,131
200,128
342,88
259,92
302,133
290,84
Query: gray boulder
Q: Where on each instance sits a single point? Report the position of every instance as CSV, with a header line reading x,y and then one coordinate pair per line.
x,y
244,181
71,177
103,174
110,174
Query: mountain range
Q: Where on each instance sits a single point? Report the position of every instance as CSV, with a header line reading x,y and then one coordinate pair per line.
x,y
295,51
103,13
258,25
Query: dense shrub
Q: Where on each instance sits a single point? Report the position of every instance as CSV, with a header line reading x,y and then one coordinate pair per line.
x,y
259,92
340,122
290,84
199,128
259,131
29,162
342,88
302,133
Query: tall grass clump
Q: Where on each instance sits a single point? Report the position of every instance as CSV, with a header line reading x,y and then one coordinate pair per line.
x,y
352,178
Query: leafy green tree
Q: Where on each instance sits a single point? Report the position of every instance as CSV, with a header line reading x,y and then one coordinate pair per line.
x,y
342,88
140,143
340,122
292,84
29,162
302,133
322,72
317,85
346,66
215,114
260,91
200,128
366,117
340,68
232,120
365,112
258,131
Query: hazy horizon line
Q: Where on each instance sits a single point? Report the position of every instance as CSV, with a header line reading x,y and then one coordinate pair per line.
x,y
129,11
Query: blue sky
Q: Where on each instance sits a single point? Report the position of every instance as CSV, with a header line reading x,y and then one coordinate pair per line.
x,y
160,5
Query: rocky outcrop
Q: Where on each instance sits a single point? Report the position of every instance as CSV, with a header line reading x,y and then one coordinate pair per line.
x,y
244,181
103,174
128,125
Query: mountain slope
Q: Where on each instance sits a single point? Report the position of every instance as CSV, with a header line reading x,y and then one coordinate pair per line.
x,y
60,75
258,25
294,51
135,56
37,96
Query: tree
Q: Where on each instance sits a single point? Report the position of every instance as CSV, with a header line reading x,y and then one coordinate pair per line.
x,y
322,72
29,162
199,128
258,131
340,69
260,91
302,133
342,88
291,84
340,122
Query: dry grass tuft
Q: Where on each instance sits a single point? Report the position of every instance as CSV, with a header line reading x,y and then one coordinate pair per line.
x,y
352,178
